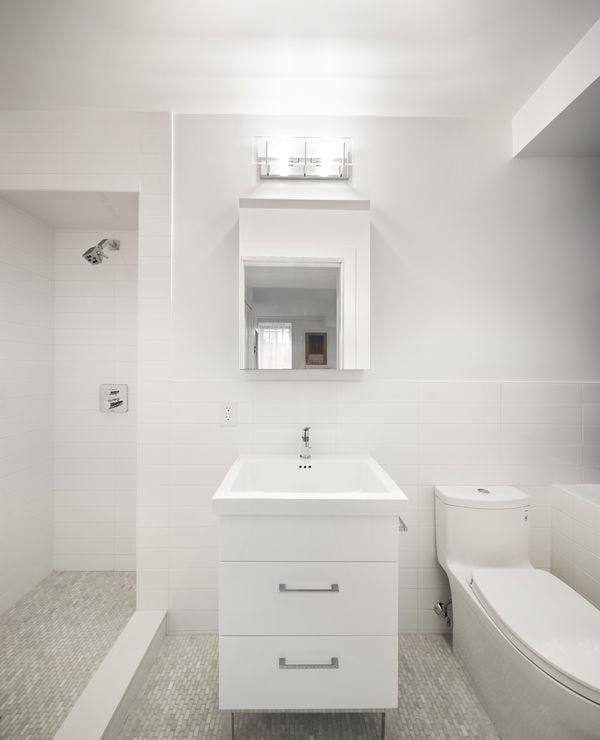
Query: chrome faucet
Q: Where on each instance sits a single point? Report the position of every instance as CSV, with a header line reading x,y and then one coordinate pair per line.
x,y
305,452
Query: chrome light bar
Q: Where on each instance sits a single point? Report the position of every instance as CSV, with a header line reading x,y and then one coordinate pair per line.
x,y
303,158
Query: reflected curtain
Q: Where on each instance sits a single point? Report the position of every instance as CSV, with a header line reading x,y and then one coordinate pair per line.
x,y
275,345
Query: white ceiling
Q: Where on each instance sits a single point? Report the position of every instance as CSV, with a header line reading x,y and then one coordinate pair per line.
x,y
414,57
77,210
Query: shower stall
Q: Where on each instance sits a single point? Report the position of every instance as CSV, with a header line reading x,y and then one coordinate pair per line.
x,y
74,331
68,434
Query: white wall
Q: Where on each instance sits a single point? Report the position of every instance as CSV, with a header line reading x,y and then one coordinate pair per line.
x,y
453,218
26,364
95,453
484,269
526,434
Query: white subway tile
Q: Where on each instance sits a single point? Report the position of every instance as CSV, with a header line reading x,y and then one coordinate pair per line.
x,y
591,456
546,393
548,434
407,621
155,163
179,621
92,163
560,455
591,393
588,586
459,434
30,162
153,598
562,524
591,414
30,121
455,454
193,599
565,415
33,142
351,392
106,181
583,510
585,537
480,394
152,579
467,413
540,557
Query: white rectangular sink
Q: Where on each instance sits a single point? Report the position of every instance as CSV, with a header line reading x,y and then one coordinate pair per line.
x,y
286,484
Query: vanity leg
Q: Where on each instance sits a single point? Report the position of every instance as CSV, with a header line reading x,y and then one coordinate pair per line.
x,y
383,726
232,726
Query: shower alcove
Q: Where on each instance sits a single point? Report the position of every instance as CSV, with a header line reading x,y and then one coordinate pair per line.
x,y
68,475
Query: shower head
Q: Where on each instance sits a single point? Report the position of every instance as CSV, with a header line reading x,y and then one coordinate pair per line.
x,y
94,255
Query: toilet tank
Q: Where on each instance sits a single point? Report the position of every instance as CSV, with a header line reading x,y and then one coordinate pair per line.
x,y
482,526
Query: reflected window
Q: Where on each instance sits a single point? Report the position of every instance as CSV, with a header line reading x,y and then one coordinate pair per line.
x,y
274,345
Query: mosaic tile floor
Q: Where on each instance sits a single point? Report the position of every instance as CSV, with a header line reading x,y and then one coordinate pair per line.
x,y
52,641
179,700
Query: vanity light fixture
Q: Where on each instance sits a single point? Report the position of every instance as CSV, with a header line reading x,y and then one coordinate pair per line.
x,y
303,158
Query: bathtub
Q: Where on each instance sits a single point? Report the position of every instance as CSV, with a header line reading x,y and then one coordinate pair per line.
x,y
587,491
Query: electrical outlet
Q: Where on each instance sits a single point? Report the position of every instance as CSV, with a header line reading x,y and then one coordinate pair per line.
x,y
229,414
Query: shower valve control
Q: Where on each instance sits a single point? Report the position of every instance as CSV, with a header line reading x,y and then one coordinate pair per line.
x,y
114,398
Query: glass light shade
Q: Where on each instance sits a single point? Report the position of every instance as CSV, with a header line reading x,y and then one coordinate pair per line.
x,y
303,157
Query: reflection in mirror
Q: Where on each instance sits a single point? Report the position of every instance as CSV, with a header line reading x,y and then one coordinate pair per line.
x,y
292,315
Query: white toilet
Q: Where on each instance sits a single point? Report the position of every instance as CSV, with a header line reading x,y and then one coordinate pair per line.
x,y
530,644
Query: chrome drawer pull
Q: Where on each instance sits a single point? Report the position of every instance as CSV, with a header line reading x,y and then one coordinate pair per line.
x,y
332,665
333,589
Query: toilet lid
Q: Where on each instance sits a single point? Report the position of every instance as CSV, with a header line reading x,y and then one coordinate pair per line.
x,y
547,621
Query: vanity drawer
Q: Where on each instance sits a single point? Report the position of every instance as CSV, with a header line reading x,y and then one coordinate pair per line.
x,y
308,673
308,538
308,598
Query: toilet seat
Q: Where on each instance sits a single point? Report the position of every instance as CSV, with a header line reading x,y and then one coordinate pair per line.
x,y
550,623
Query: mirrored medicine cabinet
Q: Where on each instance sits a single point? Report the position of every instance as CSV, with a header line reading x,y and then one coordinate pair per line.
x,y
304,283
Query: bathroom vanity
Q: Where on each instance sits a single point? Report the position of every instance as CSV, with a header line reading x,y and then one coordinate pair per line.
x,y
308,584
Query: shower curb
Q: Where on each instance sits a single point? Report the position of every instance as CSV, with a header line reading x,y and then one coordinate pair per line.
x,y
101,709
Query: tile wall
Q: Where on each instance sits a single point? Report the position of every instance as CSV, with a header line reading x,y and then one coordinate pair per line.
x,y
104,150
528,434
26,361
95,335
576,540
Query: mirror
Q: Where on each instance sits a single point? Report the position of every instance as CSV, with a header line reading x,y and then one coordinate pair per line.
x,y
304,284
291,315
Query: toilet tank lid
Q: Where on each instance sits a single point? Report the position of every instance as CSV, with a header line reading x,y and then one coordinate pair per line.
x,y
482,496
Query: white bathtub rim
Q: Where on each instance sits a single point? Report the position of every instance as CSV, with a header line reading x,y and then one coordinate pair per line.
x,y
574,489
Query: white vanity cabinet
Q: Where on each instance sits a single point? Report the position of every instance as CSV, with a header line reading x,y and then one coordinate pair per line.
x,y
308,612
